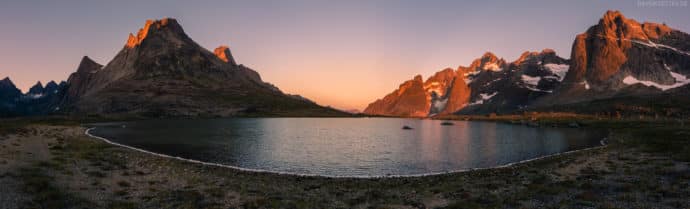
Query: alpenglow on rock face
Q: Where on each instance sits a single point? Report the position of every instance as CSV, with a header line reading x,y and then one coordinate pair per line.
x,y
617,58
621,56
489,84
223,52
160,71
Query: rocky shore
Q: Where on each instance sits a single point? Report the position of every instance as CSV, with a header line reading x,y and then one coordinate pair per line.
x,y
49,165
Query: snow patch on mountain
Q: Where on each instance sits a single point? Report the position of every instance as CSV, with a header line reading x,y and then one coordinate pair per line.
x,y
558,69
473,73
35,96
483,97
492,67
491,82
585,84
531,83
469,76
656,45
681,80
529,80
440,104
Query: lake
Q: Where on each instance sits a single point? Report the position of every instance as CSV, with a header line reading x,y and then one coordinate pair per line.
x,y
353,147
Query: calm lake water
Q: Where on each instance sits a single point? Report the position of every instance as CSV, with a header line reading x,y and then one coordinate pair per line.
x,y
347,146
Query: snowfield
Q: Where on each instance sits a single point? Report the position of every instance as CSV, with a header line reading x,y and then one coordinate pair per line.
x,y
559,70
656,45
681,80
440,104
529,80
492,67
531,83
484,97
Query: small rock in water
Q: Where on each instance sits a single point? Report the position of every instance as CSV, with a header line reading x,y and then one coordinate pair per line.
x,y
407,128
446,123
574,125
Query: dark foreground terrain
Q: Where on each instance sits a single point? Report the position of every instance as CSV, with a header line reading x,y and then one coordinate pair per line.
x,y
52,164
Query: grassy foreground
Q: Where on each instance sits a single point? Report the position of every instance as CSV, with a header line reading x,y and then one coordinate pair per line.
x,y
52,164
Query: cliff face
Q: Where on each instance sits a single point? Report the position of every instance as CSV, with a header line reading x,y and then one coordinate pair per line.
x,y
600,53
409,100
78,81
223,53
621,56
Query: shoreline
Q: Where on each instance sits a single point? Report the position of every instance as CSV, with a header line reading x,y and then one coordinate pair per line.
x,y
87,132
60,166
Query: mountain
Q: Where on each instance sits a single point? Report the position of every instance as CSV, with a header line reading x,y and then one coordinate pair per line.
x,y
620,57
617,65
531,76
8,90
78,81
38,100
161,71
488,84
36,89
9,95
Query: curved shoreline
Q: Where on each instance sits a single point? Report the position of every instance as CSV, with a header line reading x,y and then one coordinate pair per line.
x,y
87,132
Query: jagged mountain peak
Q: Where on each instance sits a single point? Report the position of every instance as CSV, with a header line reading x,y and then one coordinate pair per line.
x,y
599,53
8,91
489,62
527,55
36,88
619,56
223,53
439,82
51,84
547,51
6,85
442,75
6,80
87,65
153,27
655,30
489,55
614,25
612,14
535,56
418,78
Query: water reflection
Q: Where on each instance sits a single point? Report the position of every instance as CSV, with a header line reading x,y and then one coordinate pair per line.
x,y
347,146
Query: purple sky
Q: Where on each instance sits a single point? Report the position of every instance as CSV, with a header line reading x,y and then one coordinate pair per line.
x,y
339,53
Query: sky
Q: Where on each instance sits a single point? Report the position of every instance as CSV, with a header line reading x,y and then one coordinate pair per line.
x,y
344,53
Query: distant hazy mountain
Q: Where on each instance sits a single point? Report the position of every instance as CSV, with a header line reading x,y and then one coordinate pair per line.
x,y
614,63
9,95
38,100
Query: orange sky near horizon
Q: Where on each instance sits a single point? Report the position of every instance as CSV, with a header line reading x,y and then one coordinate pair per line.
x,y
344,54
